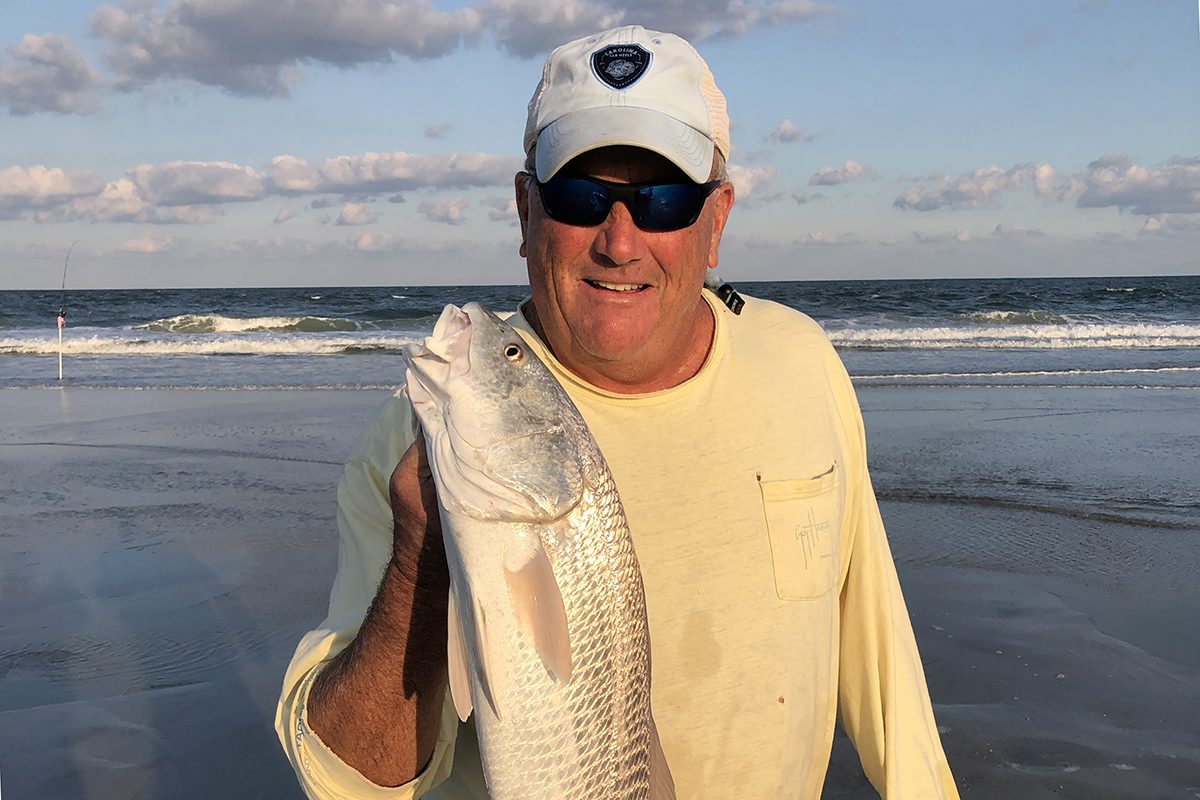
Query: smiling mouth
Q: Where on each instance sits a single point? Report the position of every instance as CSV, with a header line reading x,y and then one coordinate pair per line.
x,y
617,287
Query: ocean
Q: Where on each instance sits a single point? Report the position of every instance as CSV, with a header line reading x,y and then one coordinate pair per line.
x,y
1076,349
1088,331
168,520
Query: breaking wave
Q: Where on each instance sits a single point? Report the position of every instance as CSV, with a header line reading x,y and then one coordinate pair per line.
x,y
1017,336
203,346
1015,317
215,323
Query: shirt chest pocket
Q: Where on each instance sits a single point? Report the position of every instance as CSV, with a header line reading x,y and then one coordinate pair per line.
x,y
804,520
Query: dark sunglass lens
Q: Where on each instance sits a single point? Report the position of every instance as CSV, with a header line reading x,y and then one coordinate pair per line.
x,y
575,201
668,207
654,207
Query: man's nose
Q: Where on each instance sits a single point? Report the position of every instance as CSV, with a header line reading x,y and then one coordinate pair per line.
x,y
618,240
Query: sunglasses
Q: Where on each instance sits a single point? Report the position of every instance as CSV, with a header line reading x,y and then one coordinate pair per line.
x,y
653,206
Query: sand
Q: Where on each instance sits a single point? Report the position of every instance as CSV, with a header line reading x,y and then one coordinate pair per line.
x,y
161,551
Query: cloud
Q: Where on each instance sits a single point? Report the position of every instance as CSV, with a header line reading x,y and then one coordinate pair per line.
x,y
147,243
367,242
832,176
46,73
503,209
371,173
192,182
698,20
255,47
1170,225
810,239
192,192
787,132
39,186
803,198
1006,231
356,214
942,238
123,200
448,211
178,192
753,184
979,188
291,175
284,215
439,130
826,238
1170,188
529,28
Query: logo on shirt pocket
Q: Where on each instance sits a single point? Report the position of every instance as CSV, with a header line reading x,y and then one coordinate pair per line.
x,y
804,520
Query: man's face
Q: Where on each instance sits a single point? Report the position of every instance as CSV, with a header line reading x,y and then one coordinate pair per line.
x,y
619,306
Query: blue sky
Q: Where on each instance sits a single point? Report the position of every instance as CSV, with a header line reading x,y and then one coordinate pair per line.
x,y
314,142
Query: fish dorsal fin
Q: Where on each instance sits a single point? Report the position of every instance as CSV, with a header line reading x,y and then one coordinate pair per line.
x,y
456,661
539,607
662,785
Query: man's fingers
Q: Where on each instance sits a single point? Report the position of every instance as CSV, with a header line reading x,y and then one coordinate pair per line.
x,y
413,495
416,531
422,454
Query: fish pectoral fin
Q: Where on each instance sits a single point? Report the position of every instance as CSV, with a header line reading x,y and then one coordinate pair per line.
x,y
540,611
662,785
456,661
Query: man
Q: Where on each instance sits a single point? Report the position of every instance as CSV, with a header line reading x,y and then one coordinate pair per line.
x,y
737,446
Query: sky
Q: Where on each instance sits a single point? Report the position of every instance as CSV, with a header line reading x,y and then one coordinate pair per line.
x,y
361,142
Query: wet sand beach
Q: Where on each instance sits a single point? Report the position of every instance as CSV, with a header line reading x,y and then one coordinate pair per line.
x,y
162,550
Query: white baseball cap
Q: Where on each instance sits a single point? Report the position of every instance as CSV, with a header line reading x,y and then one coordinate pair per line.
x,y
627,86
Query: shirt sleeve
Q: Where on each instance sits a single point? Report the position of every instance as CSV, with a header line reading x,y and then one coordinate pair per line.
x,y
364,522
883,699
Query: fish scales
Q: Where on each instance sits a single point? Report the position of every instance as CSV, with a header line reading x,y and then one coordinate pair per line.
x,y
521,482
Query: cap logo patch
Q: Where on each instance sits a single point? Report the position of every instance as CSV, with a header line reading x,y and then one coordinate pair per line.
x,y
621,65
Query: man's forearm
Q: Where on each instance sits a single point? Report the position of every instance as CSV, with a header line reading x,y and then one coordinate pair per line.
x,y
378,704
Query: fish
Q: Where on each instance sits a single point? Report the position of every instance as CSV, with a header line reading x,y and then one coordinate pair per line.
x,y
548,640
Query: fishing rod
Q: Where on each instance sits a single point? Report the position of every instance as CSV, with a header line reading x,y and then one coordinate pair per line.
x,y
62,308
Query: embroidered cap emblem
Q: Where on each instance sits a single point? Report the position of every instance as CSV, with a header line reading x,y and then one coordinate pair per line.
x,y
620,65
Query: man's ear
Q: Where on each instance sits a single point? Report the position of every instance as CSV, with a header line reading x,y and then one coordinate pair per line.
x,y
722,205
521,186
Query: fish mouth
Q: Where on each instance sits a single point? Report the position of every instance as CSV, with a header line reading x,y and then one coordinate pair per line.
x,y
442,355
492,473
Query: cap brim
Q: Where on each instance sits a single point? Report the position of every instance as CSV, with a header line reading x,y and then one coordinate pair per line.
x,y
591,128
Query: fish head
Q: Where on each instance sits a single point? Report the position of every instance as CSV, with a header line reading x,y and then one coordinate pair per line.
x,y
504,440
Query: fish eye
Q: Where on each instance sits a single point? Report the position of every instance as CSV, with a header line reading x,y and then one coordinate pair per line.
x,y
514,353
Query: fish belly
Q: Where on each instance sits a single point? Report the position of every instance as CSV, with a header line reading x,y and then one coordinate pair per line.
x,y
587,738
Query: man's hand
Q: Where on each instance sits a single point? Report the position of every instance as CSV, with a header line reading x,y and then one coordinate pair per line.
x,y
417,551
378,703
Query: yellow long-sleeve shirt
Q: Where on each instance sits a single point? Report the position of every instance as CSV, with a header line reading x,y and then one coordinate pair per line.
x,y
770,588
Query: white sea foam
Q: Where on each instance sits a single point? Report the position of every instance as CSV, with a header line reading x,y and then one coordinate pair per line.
x,y
217,323
286,336
1016,317
1032,373
200,345
1108,335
